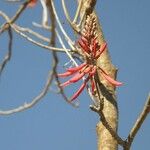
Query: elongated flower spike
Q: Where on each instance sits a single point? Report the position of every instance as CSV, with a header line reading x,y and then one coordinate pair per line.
x,y
92,50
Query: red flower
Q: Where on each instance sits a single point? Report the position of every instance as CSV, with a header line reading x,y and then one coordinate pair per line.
x,y
92,51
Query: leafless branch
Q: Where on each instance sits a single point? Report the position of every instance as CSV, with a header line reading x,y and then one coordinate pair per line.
x,y
77,12
26,106
28,30
15,17
38,43
72,23
70,42
45,13
8,55
19,11
15,28
64,47
57,79
138,123
55,58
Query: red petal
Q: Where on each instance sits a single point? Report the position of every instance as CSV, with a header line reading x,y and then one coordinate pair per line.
x,y
84,39
94,46
109,79
84,46
66,74
78,76
76,68
65,83
101,50
79,91
32,3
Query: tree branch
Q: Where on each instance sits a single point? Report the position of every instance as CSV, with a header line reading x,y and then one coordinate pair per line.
x,y
72,23
26,106
138,123
15,17
8,55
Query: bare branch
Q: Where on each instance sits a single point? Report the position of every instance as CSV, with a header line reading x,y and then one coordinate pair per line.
x,y
28,30
19,11
28,38
8,55
15,17
64,47
26,106
139,122
70,42
78,11
41,26
72,24
45,13
37,43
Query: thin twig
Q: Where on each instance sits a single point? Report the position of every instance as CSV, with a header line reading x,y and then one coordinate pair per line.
x,y
41,26
37,43
45,13
72,24
55,58
64,47
8,55
70,42
19,11
28,38
28,30
26,106
139,122
15,17
78,11
57,80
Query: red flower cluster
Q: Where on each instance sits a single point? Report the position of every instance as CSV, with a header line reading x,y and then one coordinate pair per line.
x,y
92,51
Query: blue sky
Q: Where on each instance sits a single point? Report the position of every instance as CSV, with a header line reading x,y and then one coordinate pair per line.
x,y
52,123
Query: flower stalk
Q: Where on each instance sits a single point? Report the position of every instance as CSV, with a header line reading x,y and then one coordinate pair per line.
x,y
92,51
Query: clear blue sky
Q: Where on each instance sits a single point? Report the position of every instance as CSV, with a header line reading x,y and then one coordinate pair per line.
x,y
52,123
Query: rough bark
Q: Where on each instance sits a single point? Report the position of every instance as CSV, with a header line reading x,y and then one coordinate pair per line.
x,y
105,139
110,110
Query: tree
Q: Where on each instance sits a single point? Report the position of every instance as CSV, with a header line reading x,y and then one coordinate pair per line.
x,y
98,68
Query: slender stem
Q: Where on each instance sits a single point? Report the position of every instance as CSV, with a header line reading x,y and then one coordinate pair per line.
x,y
37,43
62,29
78,11
139,122
28,30
26,106
8,55
72,24
15,17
